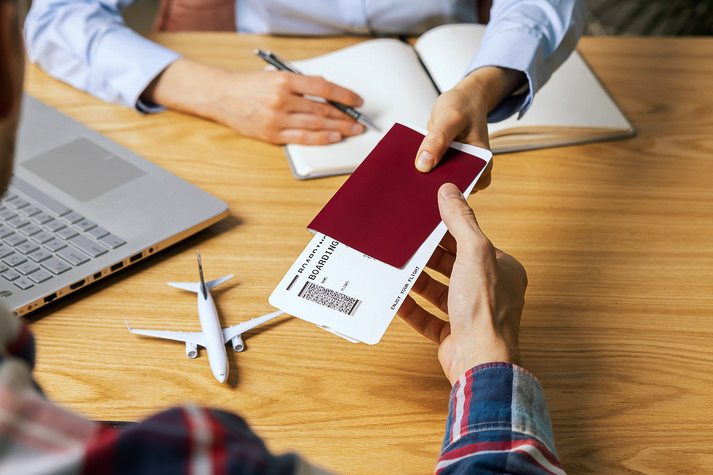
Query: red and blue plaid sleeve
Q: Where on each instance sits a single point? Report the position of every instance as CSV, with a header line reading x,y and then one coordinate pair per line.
x,y
498,422
186,439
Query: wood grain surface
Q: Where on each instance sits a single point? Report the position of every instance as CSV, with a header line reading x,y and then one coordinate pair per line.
x,y
617,238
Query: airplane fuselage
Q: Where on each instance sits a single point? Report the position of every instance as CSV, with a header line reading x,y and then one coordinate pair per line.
x,y
213,335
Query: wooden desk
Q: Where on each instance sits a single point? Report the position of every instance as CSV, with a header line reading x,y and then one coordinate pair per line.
x,y
617,239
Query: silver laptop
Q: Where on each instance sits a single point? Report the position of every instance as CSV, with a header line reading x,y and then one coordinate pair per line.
x,y
81,207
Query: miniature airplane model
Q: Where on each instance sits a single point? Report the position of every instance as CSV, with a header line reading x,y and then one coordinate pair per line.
x,y
212,337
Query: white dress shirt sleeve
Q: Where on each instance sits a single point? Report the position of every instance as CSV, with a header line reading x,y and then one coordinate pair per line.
x,y
86,44
533,36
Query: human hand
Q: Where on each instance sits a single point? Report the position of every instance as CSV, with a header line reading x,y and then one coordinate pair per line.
x,y
461,114
267,105
484,300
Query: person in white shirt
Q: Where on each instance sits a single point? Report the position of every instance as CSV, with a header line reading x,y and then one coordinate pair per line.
x,y
86,44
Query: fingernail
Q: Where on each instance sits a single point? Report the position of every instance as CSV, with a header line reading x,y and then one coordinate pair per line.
x,y
359,102
424,162
449,190
357,129
334,137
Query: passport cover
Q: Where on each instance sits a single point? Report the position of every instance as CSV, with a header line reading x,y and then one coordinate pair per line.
x,y
387,208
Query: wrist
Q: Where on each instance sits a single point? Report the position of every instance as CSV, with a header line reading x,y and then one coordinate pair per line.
x,y
482,344
187,86
489,85
492,350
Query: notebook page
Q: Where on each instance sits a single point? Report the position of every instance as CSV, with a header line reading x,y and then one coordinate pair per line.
x,y
387,74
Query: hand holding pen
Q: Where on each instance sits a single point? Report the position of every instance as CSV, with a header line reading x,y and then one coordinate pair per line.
x,y
284,65
273,106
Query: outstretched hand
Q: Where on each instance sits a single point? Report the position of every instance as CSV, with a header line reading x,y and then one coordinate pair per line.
x,y
484,300
461,114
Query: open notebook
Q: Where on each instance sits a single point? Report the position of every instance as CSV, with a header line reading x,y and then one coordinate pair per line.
x,y
397,84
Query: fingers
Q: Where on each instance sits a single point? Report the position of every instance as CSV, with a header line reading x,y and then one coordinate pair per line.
x,y
442,261
299,104
432,290
319,87
309,121
448,243
308,128
485,178
423,322
307,137
312,128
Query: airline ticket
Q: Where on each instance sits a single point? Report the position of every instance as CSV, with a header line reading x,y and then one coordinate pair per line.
x,y
350,293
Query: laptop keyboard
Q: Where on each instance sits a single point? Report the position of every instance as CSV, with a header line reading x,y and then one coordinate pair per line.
x,y
41,238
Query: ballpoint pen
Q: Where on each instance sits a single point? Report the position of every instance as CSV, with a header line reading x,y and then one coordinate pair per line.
x,y
284,65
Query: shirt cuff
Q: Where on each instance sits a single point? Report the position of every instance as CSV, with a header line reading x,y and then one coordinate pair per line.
x,y
130,62
498,401
518,49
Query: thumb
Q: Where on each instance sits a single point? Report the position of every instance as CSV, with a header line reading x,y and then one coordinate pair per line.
x,y
432,149
443,128
459,217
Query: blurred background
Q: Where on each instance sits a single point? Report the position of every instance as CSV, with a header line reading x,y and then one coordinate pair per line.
x,y
606,17
650,17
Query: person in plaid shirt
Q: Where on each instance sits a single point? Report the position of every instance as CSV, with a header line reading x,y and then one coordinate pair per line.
x,y
498,419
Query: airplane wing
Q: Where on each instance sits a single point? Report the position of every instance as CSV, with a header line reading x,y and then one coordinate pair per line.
x,y
231,332
196,286
187,337
189,286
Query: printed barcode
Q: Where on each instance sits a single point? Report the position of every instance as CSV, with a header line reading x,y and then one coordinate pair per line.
x,y
329,298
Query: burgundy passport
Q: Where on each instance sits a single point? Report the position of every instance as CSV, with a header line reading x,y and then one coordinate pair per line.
x,y
387,208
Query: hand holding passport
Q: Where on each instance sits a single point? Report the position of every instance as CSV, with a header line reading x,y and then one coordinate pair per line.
x,y
374,237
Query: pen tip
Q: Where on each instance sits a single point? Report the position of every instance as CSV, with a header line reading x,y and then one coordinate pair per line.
x,y
369,123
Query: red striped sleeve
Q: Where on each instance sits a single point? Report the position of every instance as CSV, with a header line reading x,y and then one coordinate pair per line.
x,y
218,452
530,448
100,451
19,344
